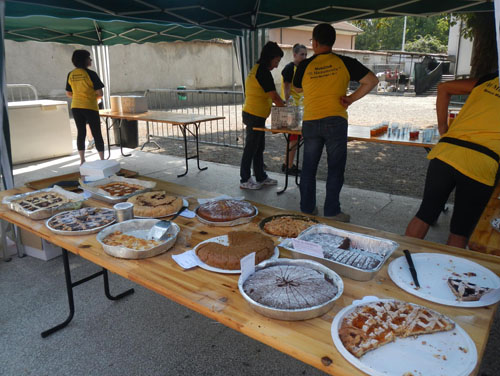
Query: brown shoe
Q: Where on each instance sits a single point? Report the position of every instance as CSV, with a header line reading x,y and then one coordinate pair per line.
x,y
341,217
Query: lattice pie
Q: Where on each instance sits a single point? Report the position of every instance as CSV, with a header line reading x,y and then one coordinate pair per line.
x,y
41,200
466,291
82,219
373,325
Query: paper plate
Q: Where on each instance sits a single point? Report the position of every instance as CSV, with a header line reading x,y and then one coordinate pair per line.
x,y
434,269
445,353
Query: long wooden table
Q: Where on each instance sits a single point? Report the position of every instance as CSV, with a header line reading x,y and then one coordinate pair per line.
x,y
216,295
184,121
485,238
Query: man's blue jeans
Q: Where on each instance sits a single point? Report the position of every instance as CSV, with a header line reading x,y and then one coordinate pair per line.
x,y
332,133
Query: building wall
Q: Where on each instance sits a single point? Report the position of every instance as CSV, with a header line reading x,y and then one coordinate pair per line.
x,y
461,49
135,67
292,36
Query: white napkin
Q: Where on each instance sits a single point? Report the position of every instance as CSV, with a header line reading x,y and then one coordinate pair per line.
x,y
186,260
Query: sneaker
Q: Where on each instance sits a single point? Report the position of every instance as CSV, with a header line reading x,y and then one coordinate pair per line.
x,y
314,212
251,184
91,144
269,181
341,217
294,171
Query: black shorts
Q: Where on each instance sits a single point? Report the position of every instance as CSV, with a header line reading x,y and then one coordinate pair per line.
x,y
471,197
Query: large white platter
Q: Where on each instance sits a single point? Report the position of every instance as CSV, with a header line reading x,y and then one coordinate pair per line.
x,y
184,203
434,269
223,239
429,354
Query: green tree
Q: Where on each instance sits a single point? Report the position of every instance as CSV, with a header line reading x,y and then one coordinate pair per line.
x,y
387,33
429,44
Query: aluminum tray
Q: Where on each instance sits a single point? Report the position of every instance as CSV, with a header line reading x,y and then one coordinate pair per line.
x,y
382,246
138,228
99,194
76,203
236,222
77,233
294,314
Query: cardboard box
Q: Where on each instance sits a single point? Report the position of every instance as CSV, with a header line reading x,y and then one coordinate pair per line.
x,y
99,169
133,104
39,248
115,103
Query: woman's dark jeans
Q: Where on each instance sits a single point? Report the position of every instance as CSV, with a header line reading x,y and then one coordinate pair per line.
x,y
332,133
254,149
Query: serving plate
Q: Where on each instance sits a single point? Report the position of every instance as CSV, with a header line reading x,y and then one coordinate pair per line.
x,y
434,269
80,212
223,239
444,353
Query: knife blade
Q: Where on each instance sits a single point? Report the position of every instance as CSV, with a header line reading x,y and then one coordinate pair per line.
x,y
413,271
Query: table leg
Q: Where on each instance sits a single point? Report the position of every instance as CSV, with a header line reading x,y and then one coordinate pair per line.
x,y
300,141
149,138
120,132
107,135
69,290
183,130
4,226
287,138
197,127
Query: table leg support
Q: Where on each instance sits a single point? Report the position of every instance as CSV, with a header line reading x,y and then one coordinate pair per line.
x,y
120,132
287,138
297,156
197,127
69,290
107,135
183,130
148,138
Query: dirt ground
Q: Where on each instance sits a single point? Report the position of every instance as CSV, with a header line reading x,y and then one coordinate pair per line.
x,y
386,168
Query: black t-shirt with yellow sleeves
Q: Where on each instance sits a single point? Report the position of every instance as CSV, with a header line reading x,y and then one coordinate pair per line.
x,y
324,78
259,82
83,83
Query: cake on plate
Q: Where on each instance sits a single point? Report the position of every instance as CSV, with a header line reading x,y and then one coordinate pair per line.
x,y
225,210
155,204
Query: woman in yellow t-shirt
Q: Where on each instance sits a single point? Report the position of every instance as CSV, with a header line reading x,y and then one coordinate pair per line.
x,y
260,93
465,159
85,88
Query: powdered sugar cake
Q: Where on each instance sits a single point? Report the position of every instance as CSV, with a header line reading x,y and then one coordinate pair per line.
x,y
373,325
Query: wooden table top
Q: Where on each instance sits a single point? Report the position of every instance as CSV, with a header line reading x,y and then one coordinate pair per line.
x,y
161,117
381,139
485,238
217,297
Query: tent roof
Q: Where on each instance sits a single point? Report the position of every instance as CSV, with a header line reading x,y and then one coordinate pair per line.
x,y
89,32
240,14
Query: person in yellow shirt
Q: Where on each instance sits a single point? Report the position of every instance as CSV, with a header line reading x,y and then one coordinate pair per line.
x,y
287,91
260,93
85,88
324,79
465,159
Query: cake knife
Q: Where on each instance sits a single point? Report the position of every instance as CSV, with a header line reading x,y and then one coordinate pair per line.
x,y
413,271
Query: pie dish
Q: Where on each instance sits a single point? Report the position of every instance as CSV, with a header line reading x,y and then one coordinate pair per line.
x,y
286,225
275,281
155,204
119,239
226,212
373,325
81,221
240,244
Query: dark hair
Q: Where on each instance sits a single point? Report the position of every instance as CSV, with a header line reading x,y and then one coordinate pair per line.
x,y
324,34
297,47
79,58
269,52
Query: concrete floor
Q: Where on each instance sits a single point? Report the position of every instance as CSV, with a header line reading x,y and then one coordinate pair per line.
x,y
146,333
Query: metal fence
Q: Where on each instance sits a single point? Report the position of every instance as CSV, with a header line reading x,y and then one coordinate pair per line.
x,y
227,132
21,92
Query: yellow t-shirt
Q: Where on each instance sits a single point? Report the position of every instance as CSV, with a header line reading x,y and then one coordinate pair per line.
x,y
258,83
287,75
324,79
83,83
477,122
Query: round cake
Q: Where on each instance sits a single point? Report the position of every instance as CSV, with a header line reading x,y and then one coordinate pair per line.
x,y
225,210
240,244
290,287
155,204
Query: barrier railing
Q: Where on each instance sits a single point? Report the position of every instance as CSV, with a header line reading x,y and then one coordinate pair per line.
x,y
21,92
227,132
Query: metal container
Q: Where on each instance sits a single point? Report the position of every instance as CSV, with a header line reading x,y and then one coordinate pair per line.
x,y
294,314
77,233
124,211
383,247
76,203
100,194
236,222
138,228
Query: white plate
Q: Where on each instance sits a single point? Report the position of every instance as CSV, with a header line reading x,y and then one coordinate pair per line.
x,y
421,355
235,222
495,223
184,203
223,239
433,270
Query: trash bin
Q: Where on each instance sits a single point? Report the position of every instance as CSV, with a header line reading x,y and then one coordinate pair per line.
x,y
129,133
181,96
